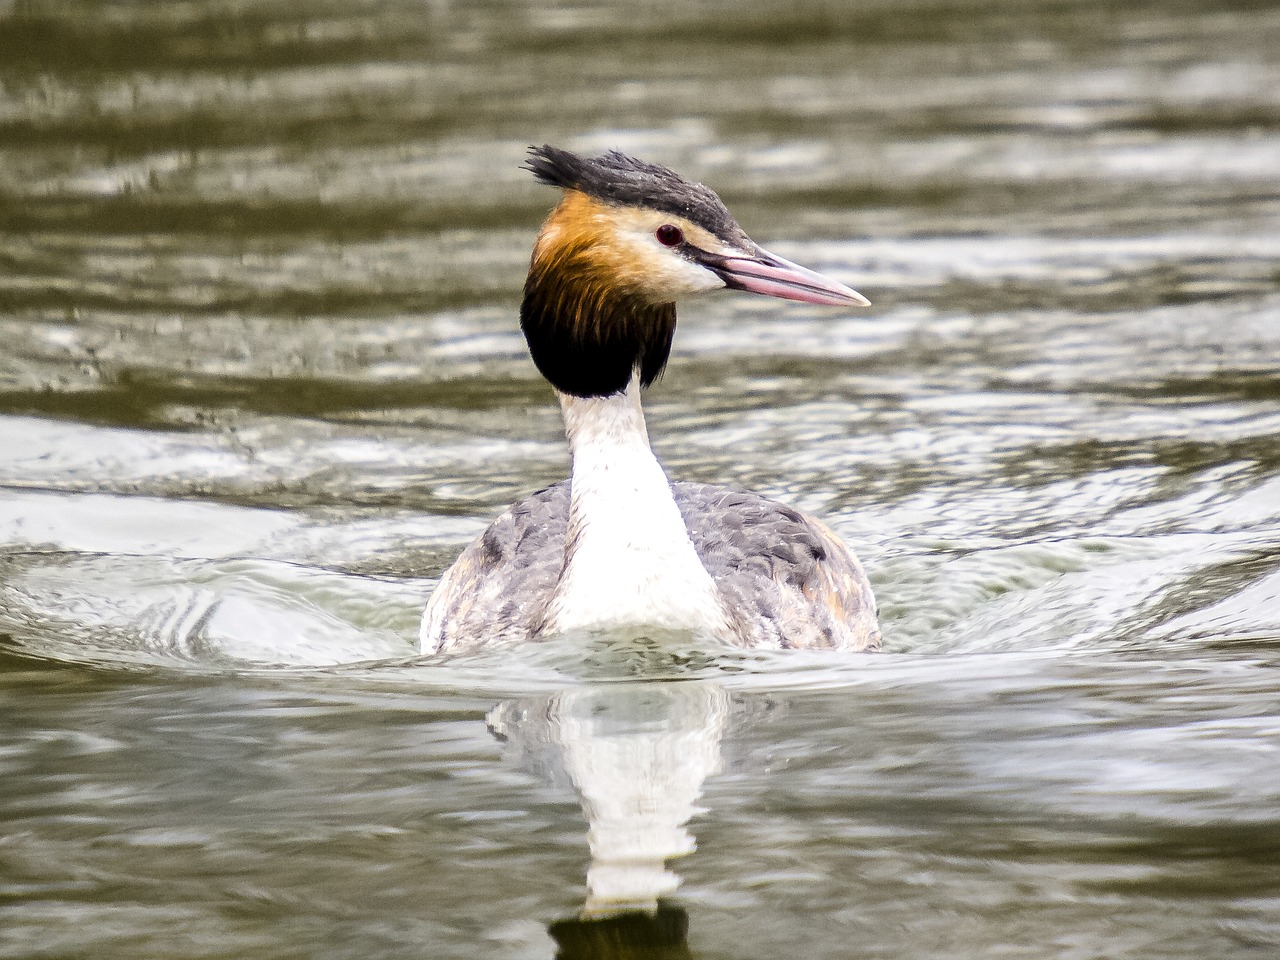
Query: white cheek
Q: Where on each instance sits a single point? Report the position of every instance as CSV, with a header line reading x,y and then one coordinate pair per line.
x,y
666,272
684,278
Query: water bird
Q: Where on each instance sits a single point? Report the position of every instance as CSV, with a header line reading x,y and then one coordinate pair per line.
x,y
618,546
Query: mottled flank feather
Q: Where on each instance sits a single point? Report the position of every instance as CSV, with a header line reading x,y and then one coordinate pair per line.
x,y
788,579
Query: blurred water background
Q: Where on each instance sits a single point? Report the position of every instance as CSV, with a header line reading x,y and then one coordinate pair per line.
x,y
261,379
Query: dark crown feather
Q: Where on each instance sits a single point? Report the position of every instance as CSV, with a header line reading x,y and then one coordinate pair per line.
x,y
618,179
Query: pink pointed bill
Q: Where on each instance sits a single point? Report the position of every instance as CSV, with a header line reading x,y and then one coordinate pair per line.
x,y
772,276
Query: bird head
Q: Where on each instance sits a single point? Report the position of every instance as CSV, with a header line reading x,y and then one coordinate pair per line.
x,y
626,241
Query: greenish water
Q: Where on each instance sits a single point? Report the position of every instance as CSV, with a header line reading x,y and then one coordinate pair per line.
x,y
260,380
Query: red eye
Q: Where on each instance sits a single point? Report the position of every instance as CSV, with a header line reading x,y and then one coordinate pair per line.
x,y
669,235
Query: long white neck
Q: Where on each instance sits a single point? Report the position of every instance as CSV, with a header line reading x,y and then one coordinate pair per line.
x,y
628,558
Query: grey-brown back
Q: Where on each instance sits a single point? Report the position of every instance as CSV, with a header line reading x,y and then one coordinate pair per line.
x,y
786,577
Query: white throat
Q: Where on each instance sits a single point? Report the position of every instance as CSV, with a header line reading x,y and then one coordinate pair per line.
x,y
628,558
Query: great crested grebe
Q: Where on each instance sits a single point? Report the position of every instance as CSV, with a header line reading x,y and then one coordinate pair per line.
x,y
618,546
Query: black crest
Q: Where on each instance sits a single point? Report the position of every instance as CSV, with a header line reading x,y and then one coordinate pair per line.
x,y
625,181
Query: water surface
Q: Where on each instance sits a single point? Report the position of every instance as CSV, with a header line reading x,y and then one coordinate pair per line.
x,y
261,380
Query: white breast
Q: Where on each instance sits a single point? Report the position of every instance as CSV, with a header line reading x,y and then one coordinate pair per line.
x,y
628,558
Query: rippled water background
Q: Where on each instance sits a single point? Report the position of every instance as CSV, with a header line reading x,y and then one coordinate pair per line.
x,y
260,379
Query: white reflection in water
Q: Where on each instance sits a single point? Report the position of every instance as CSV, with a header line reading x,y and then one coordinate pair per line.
x,y
637,754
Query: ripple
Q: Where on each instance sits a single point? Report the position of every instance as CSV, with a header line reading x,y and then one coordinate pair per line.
x,y
262,379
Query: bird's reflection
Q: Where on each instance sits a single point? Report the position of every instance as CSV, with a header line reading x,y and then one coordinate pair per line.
x,y
638,755
637,935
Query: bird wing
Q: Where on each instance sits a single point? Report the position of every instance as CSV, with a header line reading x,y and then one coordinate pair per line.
x,y
497,589
790,580
787,578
